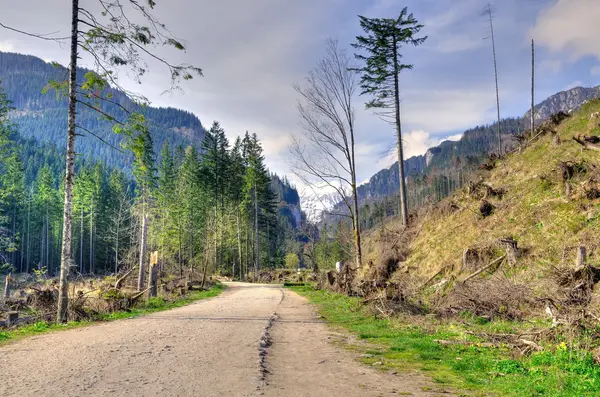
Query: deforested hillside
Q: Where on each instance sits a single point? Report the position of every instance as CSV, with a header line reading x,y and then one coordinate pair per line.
x,y
516,241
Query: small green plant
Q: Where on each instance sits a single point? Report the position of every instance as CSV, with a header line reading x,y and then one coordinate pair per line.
x,y
40,274
155,303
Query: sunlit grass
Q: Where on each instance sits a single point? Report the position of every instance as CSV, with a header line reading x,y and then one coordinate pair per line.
x,y
482,371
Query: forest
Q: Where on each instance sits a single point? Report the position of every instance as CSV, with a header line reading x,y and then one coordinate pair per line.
x,y
216,206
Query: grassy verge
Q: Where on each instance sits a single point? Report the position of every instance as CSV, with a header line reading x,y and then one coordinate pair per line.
x,y
480,371
153,305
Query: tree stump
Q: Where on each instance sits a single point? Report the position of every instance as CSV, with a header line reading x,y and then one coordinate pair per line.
x,y
486,208
12,319
581,257
512,250
152,276
7,280
556,140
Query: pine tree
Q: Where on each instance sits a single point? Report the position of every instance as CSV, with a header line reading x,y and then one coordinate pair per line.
x,y
380,74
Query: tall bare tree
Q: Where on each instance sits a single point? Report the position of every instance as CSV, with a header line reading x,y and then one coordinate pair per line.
x,y
325,153
532,121
113,39
490,14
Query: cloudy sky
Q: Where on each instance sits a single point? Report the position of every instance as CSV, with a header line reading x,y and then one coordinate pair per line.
x,y
252,51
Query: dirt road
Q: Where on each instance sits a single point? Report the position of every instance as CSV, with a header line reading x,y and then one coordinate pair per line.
x,y
210,348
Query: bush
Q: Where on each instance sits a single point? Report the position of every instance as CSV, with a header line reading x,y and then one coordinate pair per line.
x,y
155,303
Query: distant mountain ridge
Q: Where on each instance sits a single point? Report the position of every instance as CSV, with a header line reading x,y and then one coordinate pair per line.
x,y
468,152
44,116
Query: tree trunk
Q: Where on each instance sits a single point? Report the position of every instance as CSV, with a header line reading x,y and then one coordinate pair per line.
x,y
92,240
256,240
143,244
28,233
403,204
532,86
239,238
81,269
6,294
496,76
152,281
65,260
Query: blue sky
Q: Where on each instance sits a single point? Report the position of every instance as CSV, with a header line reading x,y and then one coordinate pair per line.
x,y
253,51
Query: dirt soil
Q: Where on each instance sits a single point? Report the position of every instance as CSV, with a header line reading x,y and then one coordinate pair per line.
x,y
209,348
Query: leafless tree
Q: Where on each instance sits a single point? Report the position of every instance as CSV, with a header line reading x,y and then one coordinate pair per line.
x,y
324,155
488,11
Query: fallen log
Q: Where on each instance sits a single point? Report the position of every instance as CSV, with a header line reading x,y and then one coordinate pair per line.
x,y
586,144
483,269
120,280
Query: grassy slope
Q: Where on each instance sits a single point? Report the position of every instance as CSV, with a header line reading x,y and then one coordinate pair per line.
x,y
476,370
535,209
546,223
153,305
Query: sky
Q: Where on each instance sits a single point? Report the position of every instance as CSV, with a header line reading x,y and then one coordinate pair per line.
x,y
252,52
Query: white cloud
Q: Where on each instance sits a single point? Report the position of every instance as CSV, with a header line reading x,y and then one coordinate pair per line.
x,y
550,65
6,46
439,111
455,137
571,27
577,83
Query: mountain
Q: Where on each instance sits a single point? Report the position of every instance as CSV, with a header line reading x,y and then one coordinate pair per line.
x,y
44,116
566,101
453,157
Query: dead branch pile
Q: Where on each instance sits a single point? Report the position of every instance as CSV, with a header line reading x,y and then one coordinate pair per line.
x,y
571,169
482,190
490,164
557,118
497,297
576,285
486,208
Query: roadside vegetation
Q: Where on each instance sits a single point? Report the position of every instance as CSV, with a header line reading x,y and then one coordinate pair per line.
x,y
152,305
462,362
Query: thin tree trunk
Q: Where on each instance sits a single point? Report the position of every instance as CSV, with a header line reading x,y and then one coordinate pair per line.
x,y
143,245
65,260
81,242
14,234
403,204
496,76
256,259
28,233
239,238
47,245
92,240
117,248
532,86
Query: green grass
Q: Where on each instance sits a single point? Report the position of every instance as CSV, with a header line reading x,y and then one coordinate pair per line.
x,y
153,305
556,372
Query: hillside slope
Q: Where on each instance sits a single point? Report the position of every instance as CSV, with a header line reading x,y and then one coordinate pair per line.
x,y
546,198
474,145
44,117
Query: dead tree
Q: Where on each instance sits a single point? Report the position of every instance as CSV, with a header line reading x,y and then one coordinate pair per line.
x,y
532,115
489,12
324,155
7,281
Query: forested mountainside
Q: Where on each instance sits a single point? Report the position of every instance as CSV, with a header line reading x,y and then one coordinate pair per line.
x,y
215,187
43,116
436,173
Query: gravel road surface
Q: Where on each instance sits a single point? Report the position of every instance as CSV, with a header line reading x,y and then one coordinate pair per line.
x,y
209,348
